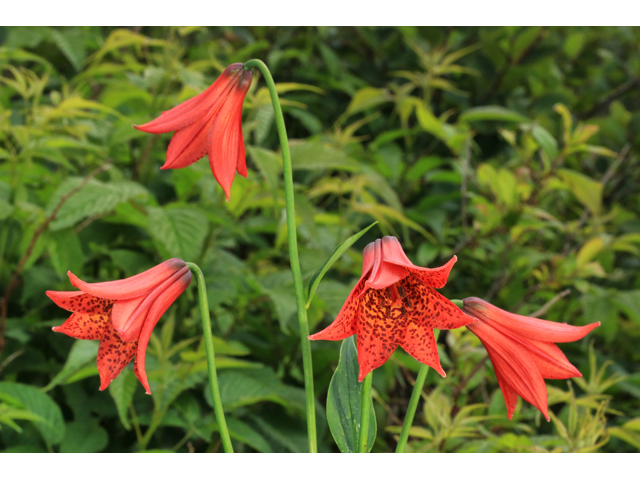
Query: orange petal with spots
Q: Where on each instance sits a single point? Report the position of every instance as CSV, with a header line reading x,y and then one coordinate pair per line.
x,y
86,326
420,343
80,302
381,328
113,355
345,323
436,310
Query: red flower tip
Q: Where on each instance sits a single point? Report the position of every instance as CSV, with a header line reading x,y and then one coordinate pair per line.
x,y
121,314
523,351
395,304
209,124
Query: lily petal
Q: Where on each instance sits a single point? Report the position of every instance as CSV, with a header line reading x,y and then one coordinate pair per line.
x,y
193,109
131,287
163,302
514,365
79,302
225,136
345,323
134,322
384,274
420,343
533,328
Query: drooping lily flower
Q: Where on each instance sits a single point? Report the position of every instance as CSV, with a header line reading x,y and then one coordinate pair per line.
x,y
122,314
523,351
395,303
209,124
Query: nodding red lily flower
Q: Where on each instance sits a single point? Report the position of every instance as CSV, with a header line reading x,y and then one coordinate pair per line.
x,y
209,124
122,314
523,351
394,303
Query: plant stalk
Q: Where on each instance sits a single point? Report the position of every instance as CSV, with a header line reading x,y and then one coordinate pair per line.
x,y
293,252
211,357
365,412
411,409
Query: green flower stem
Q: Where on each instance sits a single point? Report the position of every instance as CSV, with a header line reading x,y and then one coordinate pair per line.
x,y
211,358
411,409
415,396
293,253
364,413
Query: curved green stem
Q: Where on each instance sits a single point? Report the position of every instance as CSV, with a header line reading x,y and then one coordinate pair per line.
x,y
365,411
293,252
411,409
211,358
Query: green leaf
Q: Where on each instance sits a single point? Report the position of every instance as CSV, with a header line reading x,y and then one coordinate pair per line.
x,y
367,97
181,231
66,252
52,427
84,437
94,199
492,112
239,388
314,155
82,353
71,45
269,164
546,141
589,250
245,434
587,191
121,390
5,209
335,255
344,402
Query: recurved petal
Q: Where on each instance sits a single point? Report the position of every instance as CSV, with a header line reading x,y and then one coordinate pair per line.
x,y
131,287
156,311
80,302
368,256
130,326
434,277
195,108
533,328
514,366
393,253
383,273
345,323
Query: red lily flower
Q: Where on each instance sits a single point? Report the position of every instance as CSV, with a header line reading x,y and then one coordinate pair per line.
x,y
394,303
122,314
523,351
209,124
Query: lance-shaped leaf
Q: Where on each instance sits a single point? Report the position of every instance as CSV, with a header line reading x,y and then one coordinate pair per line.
x,y
344,402
335,255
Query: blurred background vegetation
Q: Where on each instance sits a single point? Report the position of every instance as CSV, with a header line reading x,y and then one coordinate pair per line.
x,y
512,148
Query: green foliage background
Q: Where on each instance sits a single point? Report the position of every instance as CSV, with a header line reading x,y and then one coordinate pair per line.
x,y
514,148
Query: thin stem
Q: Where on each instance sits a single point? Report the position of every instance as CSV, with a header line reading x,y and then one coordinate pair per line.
x,y
293,253
211,358
411,409
365,412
